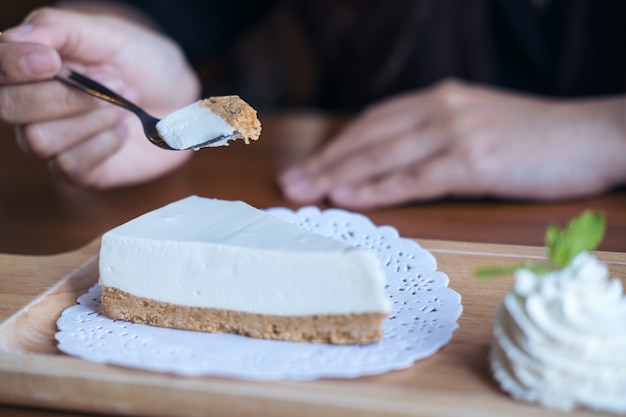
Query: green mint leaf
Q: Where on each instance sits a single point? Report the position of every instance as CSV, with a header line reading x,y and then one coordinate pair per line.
x,y
584,233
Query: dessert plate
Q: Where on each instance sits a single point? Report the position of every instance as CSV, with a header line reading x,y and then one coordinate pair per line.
x,y
424,317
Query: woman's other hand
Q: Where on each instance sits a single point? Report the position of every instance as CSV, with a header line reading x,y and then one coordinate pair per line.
x,y
463,140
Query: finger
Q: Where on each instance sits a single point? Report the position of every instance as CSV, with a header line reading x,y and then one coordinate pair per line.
x,y
42,101
308,182
436,178
366,164
27,62
71,33
378,160
391,119
94,44
47,139
80,164
392,115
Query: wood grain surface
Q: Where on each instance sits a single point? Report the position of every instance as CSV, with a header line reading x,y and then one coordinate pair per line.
x,y
453,382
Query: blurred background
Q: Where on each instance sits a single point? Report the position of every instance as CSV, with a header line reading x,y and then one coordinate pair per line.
x,y
14,11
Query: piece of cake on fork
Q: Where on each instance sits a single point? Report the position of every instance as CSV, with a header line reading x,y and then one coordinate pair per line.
x,y
224,117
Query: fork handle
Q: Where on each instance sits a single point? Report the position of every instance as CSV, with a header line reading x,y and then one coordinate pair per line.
x,y
94,88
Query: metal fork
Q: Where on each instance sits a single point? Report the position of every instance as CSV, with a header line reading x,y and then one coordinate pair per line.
x,y
94,88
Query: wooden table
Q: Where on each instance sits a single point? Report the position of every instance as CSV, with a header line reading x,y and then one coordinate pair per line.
x,y
48,229
41,215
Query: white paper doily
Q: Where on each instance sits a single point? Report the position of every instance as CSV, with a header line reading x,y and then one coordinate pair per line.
x,y
425,314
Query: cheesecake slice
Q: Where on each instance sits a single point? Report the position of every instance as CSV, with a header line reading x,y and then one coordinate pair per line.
x,y
225,117
224,266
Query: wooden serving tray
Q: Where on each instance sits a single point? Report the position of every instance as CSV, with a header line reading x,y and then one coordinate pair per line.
x,y
456,381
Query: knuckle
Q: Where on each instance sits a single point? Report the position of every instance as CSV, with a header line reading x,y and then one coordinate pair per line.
x,y
452,92
7,105
451,84
81,179
37,140
90,166
94,177
5,73
65,167
41,14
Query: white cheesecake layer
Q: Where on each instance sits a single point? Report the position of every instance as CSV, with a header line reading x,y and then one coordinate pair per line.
x,y
228,255
193,125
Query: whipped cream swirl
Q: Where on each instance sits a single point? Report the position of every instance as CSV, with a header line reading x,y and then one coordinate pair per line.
x,y
560,338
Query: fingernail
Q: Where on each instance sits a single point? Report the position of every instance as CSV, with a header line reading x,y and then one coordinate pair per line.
x,y
38,63
344,192
300,187
292,175
18,30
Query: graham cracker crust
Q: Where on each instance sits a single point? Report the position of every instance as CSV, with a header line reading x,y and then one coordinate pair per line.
x,y
330,328
239,114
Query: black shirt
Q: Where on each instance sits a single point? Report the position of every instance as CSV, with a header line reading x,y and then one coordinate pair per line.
x,y
559,48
